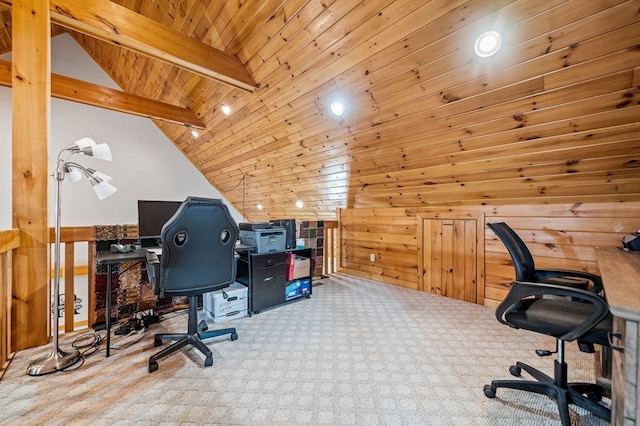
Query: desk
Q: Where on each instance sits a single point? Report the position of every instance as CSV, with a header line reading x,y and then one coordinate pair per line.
x,y
109,259
620,271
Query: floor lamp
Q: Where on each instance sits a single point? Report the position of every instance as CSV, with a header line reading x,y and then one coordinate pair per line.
x,y
57,358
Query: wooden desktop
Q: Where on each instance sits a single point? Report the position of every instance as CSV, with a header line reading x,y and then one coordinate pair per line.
x,y
620,271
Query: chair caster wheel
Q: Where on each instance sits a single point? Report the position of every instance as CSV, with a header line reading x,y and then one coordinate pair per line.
x,y
153,366
208,362
489,391
234,336
515,370
156,342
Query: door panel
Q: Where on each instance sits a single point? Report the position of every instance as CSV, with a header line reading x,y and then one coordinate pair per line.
x,y
451,265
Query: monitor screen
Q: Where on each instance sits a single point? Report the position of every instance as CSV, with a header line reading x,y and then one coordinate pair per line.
x,y
152,215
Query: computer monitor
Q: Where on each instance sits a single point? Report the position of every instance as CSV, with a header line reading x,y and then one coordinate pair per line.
x,y
152,215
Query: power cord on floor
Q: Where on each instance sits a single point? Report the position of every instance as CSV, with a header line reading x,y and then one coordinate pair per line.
x,y
87,344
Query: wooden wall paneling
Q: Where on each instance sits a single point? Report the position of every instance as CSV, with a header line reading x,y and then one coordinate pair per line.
x,y
293,65
384,236
409,71
636,76
559,236
535,115
482,157
281,26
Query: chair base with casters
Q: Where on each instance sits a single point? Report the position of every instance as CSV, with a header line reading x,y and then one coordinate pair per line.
x,y
196,333
585,395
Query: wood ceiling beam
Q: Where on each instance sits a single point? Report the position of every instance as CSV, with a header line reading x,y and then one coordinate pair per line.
x,y
91,94
118,25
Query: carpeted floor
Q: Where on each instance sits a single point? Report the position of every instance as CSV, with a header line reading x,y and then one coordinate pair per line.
x,y
357,352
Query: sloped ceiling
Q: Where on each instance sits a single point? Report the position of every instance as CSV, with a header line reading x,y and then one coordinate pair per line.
x,y
552,117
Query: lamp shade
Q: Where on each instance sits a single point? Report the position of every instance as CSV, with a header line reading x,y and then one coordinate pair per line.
x,y
103,189
84,143
73,174
100,151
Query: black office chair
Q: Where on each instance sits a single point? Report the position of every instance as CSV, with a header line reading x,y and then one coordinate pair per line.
x,y
198,256
554,306
578,315
526,270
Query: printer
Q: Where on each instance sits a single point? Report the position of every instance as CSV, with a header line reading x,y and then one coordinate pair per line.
x,y
265,237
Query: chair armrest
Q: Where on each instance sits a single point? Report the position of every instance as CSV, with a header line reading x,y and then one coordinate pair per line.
x,y
153,270
543,274
521,290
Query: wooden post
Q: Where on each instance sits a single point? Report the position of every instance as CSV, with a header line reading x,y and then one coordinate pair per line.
x,y
31,90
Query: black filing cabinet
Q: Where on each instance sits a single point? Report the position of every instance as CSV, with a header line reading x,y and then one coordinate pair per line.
x,y
265,275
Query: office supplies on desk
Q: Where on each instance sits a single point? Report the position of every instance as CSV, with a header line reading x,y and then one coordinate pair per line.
x,y
120,248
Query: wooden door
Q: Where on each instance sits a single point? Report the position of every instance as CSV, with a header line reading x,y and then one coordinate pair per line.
x,y
451,257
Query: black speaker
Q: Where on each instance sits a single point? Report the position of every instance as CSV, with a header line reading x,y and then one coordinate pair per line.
x,y
290,226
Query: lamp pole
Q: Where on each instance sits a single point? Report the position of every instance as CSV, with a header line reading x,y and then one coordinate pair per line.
x,y
57,358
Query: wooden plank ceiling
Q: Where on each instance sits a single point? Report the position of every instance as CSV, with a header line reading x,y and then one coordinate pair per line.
x,y
554,116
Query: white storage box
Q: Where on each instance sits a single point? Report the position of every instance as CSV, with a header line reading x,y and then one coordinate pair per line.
x,y
226,304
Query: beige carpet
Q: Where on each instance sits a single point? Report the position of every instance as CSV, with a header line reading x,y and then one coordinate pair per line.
x,y
357,352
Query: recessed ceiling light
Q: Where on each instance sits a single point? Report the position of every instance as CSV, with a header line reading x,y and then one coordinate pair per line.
x,y
226,109
337,108
259,206
299,204
488,43
194,133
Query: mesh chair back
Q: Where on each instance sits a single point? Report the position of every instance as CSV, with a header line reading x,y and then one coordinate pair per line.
x,y
520,255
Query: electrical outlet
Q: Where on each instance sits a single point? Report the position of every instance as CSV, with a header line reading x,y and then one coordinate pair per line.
x,y
372,257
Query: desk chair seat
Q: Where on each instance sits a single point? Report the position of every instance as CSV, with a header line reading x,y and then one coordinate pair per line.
x,y
198,256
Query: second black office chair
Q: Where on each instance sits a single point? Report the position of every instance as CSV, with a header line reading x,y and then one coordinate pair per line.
x,y
553,302
198,256
571,314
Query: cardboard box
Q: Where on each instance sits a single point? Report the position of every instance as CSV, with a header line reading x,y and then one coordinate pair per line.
x,y
226,304
302,267
297,267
